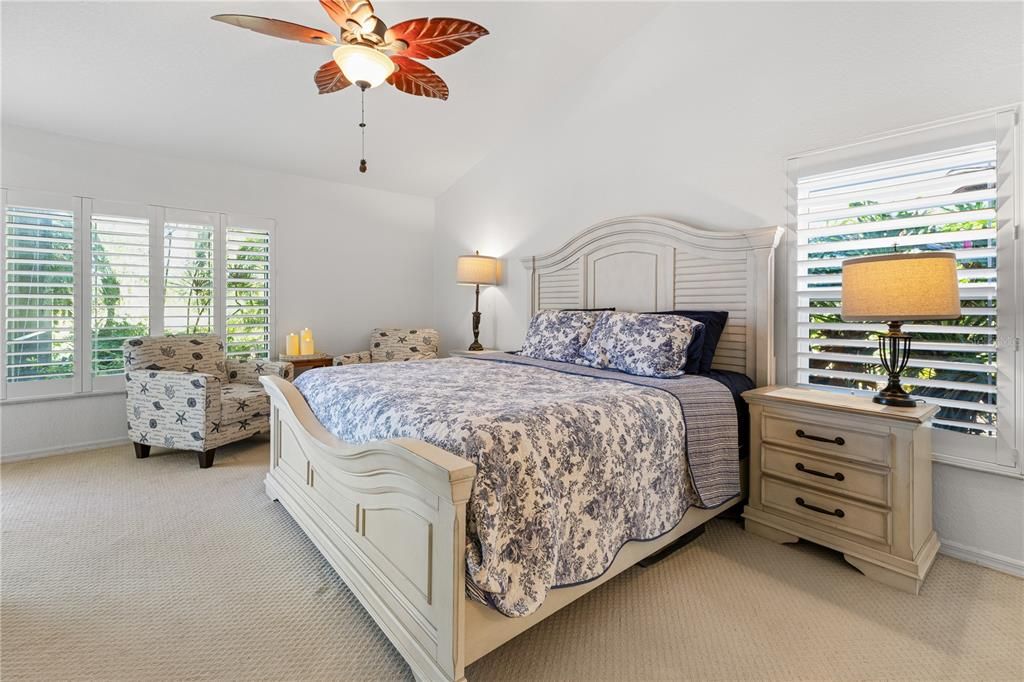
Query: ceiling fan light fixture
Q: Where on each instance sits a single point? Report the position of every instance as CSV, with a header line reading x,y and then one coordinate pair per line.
x,y
361,64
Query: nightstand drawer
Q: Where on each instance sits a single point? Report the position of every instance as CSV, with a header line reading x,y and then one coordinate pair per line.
x,y
851,479
829,512
827,437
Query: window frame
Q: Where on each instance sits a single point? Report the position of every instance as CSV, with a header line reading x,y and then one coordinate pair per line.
x,y
84,383
42,390
91,207
235,221
1001,124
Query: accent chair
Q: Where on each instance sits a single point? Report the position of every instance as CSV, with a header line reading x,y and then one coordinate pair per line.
x,y
184,393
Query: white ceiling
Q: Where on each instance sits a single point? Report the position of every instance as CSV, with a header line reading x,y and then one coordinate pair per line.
x,y
162,77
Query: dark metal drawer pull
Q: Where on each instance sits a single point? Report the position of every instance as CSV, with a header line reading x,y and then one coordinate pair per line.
x,y
837,476
838,440
838,512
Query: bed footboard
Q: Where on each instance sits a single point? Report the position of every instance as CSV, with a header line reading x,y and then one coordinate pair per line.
x,y
390,517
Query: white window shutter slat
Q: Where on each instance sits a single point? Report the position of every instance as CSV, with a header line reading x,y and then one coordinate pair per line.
x,y
120,287
247,292
39,272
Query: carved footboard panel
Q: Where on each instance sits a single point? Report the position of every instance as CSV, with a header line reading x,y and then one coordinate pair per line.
x,y
390,517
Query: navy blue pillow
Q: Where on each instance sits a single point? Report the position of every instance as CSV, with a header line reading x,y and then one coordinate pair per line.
x,y
695,351
714,324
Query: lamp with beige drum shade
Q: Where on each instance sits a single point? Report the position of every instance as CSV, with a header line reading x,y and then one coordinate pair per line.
x,y
478,271
895,288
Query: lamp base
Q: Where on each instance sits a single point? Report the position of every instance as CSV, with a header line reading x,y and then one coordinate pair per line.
x,y
894,352
476,324
893,399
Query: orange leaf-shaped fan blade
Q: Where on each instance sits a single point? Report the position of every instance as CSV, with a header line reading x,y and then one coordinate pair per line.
x,y
278,28
341,11
416,79
329,78
434,38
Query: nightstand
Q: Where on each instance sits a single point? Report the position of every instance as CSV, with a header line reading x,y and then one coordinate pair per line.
x,y
847,473
305,362
469,353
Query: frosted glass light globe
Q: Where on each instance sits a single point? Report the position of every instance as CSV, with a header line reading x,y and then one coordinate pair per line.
x,y
360,63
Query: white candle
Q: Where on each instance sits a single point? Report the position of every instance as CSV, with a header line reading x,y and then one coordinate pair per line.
x,y
306,345
293,344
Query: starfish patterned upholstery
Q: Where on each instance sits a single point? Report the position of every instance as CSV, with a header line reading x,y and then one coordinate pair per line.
x,y
184,393
395,345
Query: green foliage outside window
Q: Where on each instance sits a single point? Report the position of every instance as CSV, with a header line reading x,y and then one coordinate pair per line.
x,y
976,422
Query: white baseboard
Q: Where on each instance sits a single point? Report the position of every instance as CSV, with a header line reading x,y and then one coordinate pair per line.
x,y
47,452
996,562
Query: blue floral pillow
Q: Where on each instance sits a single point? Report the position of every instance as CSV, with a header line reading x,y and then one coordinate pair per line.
x,y
640,343
559,334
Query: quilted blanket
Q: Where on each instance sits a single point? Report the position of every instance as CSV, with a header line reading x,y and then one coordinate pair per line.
x,y
572,463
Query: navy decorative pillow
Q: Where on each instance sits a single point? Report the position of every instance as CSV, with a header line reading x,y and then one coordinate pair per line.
x,y
714,324
559,334
640,343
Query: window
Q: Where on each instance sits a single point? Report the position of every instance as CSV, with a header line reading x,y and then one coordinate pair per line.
x,y
248,293
188,278
944,200
40,267
82,275
119,294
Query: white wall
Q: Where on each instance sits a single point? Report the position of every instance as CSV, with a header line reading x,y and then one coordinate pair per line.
x,y
330,239
693,120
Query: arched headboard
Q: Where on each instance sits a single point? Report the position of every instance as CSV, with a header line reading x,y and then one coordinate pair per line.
x,y
641,264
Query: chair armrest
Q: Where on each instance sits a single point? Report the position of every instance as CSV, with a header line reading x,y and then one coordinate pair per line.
x,y
359,358
173,409
250,371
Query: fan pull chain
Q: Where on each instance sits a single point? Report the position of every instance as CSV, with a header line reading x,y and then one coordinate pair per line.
x,y
362,128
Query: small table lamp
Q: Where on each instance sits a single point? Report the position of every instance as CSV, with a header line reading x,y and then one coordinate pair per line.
x,y
894,288
476,270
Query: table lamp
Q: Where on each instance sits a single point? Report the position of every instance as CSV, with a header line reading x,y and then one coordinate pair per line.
x,y
895,288
478,271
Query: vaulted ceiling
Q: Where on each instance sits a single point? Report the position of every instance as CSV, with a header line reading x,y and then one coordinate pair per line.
x,y
162,77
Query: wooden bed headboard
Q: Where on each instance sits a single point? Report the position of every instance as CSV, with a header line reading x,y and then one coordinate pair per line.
x,y
641,264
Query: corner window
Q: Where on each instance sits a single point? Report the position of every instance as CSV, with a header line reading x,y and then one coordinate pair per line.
x,y
950,198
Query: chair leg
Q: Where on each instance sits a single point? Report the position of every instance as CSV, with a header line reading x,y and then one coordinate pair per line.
x,y
206,458
141,450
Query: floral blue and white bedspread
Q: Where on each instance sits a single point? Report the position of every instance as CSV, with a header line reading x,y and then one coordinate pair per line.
x,y
572,462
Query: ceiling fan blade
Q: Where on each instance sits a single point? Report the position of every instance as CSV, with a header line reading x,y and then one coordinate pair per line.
x,y
416,79
329,78
342,12
278,28
433,38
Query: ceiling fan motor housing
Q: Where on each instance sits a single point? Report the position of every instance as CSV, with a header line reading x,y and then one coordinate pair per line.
x,y
370,34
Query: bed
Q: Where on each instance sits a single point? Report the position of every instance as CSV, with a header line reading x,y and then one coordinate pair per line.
x,y
369,470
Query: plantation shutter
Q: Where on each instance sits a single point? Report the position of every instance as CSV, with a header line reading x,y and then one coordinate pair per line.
x,y
247,292
119,282
945,201
189,272
39,294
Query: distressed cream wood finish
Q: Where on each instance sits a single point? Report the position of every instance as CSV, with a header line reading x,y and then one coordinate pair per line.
x,y
390,516
644,264
814,453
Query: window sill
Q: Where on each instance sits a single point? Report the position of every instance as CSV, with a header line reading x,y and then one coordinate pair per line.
x,y
66,396
973,465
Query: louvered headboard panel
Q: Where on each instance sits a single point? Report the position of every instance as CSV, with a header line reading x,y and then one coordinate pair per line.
x,y
644,264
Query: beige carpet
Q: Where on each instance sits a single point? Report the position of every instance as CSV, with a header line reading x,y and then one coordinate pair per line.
x,y
117,568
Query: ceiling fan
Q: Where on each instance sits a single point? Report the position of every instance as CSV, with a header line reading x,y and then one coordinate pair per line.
x,y
368,52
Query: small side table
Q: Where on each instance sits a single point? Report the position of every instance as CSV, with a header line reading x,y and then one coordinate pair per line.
x,y
304,362
846,473
469,353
